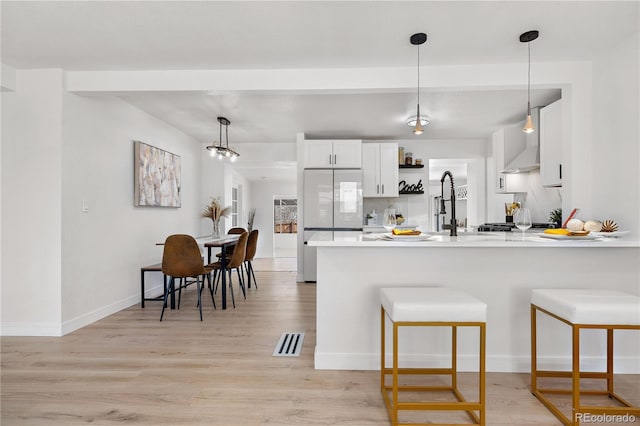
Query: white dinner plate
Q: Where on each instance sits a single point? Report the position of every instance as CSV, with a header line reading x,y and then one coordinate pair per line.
x,y
421,237
616,234
569,237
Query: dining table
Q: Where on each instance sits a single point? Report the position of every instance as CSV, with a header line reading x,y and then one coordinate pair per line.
x,y
210,242
223,242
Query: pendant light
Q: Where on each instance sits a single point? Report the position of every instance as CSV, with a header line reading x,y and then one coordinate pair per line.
x,y
418,120
223,151
528,37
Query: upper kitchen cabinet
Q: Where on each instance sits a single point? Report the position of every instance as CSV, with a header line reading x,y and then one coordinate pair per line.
x,y
508,142
332,154
380,169
551,144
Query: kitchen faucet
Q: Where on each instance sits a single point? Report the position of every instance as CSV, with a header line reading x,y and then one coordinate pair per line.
x,y
454,223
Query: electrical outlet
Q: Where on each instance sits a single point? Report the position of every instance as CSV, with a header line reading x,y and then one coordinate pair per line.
x,y
85,206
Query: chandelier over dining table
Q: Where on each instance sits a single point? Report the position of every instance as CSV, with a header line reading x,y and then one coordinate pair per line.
x,y
223,151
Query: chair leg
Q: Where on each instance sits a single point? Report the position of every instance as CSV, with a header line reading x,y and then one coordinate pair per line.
x,y
233,299
181,282
216,279
243,267
166,295
241,281
252,274
199,296
211,291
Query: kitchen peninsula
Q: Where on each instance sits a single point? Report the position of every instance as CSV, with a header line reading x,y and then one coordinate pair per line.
x,y
498,268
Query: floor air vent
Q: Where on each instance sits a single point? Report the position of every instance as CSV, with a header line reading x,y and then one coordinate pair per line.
x,y
289,344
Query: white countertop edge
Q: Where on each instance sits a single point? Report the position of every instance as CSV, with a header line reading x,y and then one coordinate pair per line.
x,y
531,241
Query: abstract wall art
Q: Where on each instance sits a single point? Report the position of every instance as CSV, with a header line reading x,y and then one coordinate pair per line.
x,y
156,177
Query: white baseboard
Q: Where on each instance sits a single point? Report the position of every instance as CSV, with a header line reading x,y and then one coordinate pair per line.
x,y
38,329
57,329
494,363
97,314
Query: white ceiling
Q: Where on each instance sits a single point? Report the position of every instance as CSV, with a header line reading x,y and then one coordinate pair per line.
x,y
175,35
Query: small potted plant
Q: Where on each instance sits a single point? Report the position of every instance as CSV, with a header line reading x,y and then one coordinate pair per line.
x,y
556,217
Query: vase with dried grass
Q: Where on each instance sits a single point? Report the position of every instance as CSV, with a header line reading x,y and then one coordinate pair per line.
x,y
252,216
215,212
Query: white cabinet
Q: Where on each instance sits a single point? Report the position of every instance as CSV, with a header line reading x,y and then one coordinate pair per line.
x,y
551,144
332,154
380,169
507,143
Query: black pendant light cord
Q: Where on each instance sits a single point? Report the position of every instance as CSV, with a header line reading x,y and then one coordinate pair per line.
x,y
418,77
220,140
529,82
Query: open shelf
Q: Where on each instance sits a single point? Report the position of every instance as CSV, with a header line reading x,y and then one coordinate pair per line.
x,y
412,166
410,192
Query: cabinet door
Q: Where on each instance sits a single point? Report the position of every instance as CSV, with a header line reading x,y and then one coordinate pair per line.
x,y
318,154
347,154
506,183
389,169
498,155
551,144
370,170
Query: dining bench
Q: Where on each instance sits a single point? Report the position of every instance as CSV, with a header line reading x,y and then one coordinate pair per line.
x,y
151,268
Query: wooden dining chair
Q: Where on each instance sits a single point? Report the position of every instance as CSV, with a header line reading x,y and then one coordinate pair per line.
x,y
232,231
252,246
234,262
181,259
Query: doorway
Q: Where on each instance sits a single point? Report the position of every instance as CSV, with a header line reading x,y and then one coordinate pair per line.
x,y
285,226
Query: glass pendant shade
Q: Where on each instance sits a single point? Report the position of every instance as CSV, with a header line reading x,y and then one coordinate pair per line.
x,y
418,130
528,125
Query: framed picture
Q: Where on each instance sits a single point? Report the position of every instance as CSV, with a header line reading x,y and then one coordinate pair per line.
x,y
156,177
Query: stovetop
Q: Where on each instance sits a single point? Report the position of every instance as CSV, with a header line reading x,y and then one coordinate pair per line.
x,y
509,226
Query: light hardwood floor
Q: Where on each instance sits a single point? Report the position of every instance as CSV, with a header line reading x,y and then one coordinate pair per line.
x,y
131,368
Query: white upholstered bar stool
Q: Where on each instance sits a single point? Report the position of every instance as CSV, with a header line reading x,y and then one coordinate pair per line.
x,y
431,307
584,309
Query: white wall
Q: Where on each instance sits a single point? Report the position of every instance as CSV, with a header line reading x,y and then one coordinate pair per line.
x,y
64,268
616,135
31,204
104,248
539,199
262,193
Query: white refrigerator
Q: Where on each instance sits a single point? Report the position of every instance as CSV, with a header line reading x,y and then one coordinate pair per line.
x,y
332,203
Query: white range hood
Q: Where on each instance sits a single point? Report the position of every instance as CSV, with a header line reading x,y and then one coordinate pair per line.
x,y
529,158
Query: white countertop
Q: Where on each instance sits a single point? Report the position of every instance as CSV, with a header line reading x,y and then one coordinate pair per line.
x,y
465,239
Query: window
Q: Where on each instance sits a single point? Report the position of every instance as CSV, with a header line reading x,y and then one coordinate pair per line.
x,y
285,215
234,206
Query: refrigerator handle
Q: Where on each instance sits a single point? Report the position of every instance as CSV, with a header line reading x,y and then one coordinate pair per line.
x,y
335,159
330,159
383,189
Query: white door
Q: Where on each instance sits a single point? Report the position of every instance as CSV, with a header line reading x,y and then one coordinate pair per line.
x,y
318,154
551,144
347,199
370,170
310,253
347,154
318,198
389,169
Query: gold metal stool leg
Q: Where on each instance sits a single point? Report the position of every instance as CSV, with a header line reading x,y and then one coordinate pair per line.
x,y
575,374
